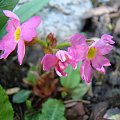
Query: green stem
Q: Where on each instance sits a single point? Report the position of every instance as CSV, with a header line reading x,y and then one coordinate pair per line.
x,y
41,42
64,44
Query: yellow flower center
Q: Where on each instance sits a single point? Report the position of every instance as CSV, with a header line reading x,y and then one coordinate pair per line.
x,y
17,34
91,53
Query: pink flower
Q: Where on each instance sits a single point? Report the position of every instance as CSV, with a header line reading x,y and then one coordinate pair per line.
x,y
17,35
78,48
93,55
59,61
107,38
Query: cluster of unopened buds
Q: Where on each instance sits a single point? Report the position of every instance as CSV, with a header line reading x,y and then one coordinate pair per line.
x,y
91,56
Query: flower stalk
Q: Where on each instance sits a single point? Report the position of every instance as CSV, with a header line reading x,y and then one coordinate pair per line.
x,y
41,42
63,44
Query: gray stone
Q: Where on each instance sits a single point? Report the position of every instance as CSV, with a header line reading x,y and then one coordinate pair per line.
x,y
63,17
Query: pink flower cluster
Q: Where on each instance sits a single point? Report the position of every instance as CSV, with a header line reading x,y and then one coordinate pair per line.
x,y
17,35
92,56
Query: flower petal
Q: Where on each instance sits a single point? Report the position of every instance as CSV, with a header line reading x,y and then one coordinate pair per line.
x,y
99,61
102,70
77,39
21,50
107,39
65,59
11,25
86,71
14,21
62,65
102,47
10,14
78,52
28,28
63,55
7,45
60,72
49,61
74,53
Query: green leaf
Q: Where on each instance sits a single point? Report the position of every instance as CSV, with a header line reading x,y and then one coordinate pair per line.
x,y
21,96
73,78
29,9
33,68
79,91
28,104
6,5
6,110
32,117
53,109
2,32
31,76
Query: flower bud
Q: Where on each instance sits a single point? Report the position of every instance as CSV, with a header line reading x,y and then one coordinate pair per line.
x,y
51,40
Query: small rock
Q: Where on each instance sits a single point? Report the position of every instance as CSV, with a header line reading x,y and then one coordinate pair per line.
x,y
115,2
11,91
99,110
76,111
113,114
98,11
79,108
63,17
117,27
